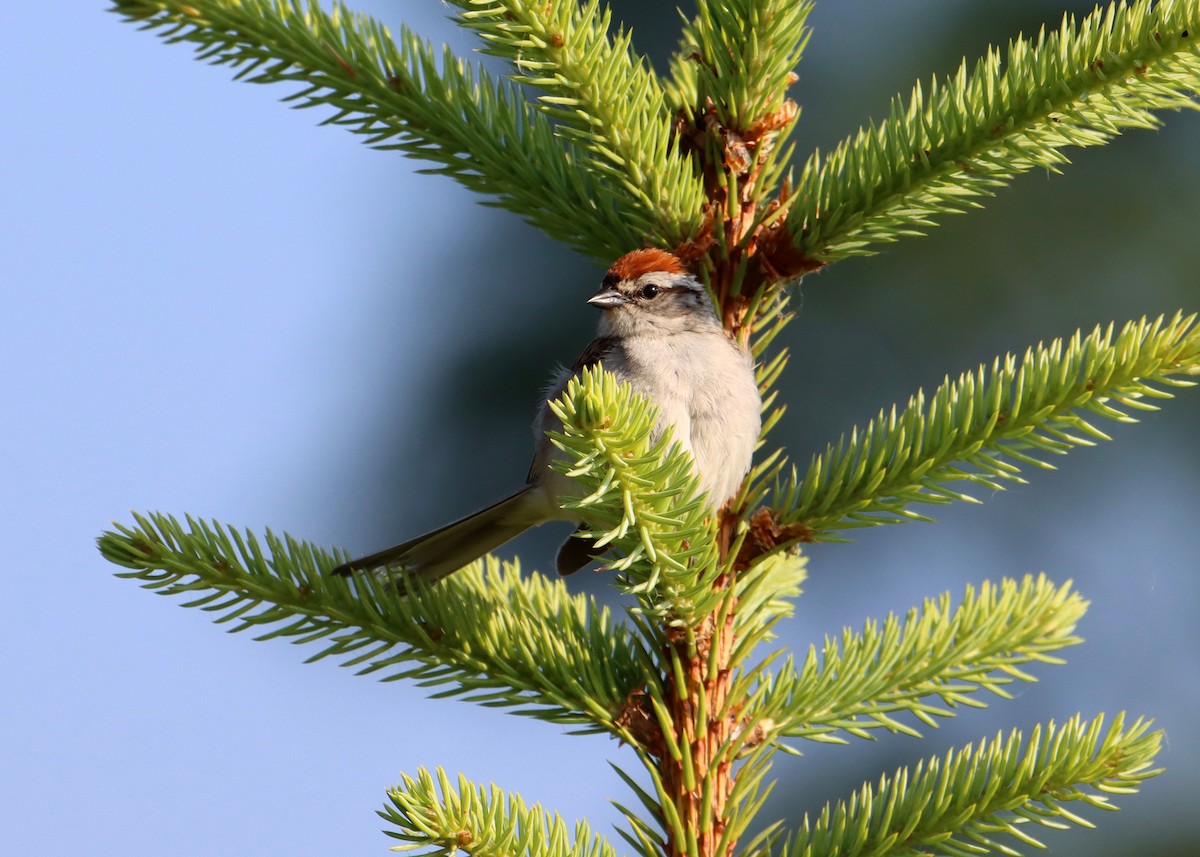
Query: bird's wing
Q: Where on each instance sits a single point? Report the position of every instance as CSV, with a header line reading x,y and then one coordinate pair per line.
x,y
596,351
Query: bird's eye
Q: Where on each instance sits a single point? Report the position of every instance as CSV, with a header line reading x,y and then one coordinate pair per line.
x,y
650,291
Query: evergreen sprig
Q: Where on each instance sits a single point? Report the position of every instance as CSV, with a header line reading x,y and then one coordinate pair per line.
x,y
434,816
936,660
601,95
639,495
739,56
478,131
958,804
488,635
978,429
1079,86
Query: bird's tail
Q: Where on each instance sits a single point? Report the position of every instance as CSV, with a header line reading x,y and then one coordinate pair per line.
x,y
432,556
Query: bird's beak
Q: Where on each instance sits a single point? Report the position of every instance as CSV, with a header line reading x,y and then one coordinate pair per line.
x,y
607,298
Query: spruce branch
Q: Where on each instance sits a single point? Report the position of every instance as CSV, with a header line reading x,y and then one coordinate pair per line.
x,y
739,56
979,429
1079,86
601,95
936,660
640,497
478,131
490,636
434,816
960,803
728,88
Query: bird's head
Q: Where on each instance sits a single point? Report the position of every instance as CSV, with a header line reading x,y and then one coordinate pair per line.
x,y
648,292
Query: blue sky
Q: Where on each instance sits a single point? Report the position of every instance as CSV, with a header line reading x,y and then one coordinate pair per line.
x,y
213,306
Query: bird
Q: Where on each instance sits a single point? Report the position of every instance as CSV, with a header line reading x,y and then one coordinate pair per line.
x,y
658,332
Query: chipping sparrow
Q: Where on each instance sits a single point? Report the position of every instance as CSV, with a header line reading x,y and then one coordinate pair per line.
x,y
658,332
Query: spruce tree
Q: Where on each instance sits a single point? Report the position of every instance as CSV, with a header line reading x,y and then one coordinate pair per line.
x,y
587,142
